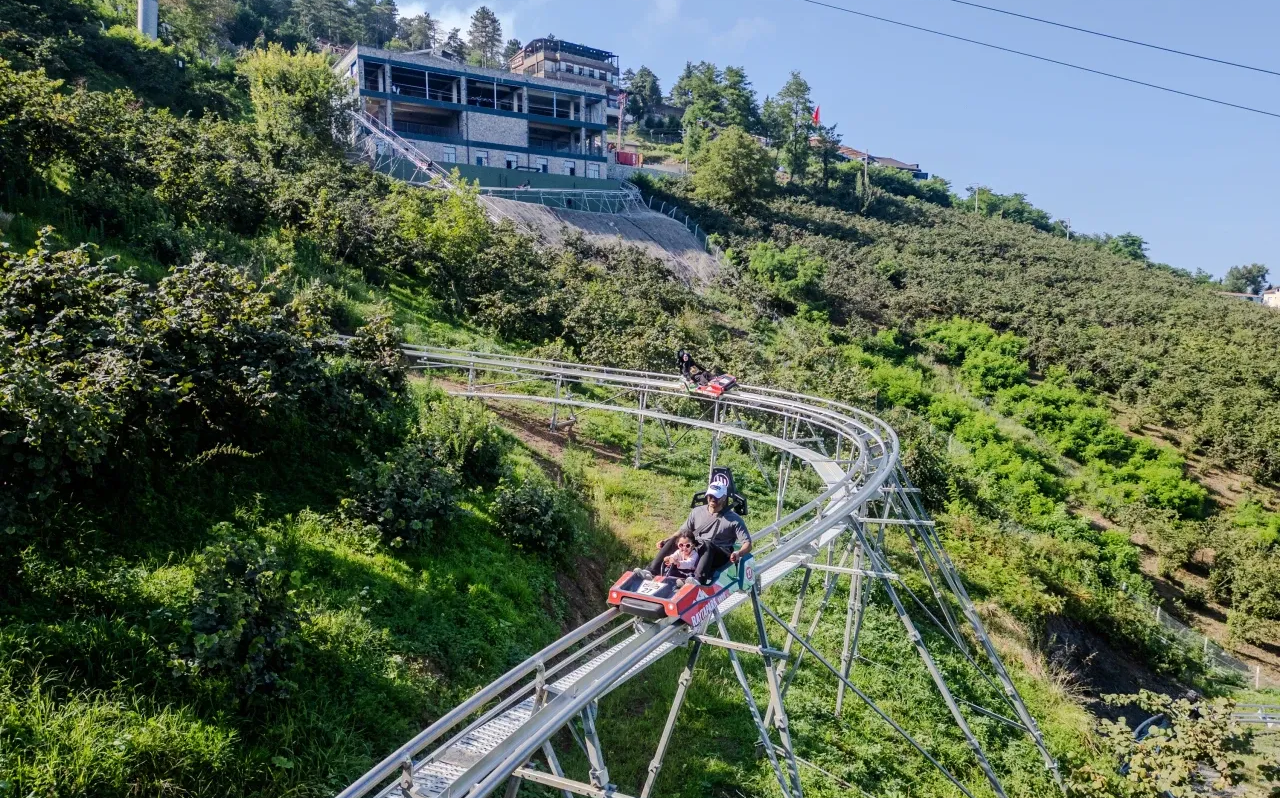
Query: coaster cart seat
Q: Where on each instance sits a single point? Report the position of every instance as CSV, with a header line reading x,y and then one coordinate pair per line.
x,y
697,379
693,603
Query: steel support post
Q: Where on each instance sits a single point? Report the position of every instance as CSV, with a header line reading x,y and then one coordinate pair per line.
x,y
644,401
595,751
555,406
775,694
682,688
852,624
832,580
914,636
784,470
767,741
715,440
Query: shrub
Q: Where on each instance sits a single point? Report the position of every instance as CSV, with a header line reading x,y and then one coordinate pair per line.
x,y
533,516
466,438
791,278
988,371
733,170
406,495
243,625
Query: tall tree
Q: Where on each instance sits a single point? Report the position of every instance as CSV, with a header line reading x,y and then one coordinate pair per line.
x,y
741,107
790,122
418,33
827,151
643,87
454,43
1128,245
513,47
1249,279
375,21
485,36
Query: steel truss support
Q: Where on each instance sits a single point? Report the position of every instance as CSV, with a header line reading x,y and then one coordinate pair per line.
x,y
682,688
914,636
775,694
910,502
644,403
763,730
595,751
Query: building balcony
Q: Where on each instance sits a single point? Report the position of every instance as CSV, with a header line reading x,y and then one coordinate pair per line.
x,y
563,148
420,129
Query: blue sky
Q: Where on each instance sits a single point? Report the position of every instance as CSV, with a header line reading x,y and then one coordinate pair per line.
x,y
1198,181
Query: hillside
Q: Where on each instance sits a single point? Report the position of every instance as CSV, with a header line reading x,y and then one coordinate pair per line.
x,y
246,560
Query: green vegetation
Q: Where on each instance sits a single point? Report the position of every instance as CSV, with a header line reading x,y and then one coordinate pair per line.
x,y
248,560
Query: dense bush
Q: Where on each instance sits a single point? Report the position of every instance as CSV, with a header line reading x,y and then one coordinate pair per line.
x,y
533,516
466,437
791,278
103,374
244,622
409,494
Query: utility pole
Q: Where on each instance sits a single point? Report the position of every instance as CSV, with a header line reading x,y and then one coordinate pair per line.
x,y
1068,225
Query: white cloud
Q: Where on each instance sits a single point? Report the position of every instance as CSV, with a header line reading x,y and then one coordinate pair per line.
x,y
743,32
664,11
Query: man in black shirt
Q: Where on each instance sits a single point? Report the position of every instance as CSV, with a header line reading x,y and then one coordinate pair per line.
x,y
715,529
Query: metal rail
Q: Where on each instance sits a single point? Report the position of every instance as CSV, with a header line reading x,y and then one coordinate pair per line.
x,y
865,497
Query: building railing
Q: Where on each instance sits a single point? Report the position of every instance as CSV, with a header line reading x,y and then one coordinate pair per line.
x,y
557,147
419,129
489,102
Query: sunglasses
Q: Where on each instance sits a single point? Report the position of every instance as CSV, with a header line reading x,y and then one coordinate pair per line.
x,y
684,545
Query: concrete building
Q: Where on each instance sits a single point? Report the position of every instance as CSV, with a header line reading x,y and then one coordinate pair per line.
x,y
577,64
486,121
1271,298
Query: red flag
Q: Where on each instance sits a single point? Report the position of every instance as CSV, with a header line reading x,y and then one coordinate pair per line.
x,y
817,115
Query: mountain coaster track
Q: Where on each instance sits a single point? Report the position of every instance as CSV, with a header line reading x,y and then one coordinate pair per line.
x,y
491,740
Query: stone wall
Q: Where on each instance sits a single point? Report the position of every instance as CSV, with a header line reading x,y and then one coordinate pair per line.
x,y
495,129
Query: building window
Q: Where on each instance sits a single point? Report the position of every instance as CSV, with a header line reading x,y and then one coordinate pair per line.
x,y
541,165
512,161
593,170
450,154
570,168
482,157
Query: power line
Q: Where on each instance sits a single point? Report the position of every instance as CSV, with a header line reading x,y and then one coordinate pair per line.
x,y
1044,58
1117,38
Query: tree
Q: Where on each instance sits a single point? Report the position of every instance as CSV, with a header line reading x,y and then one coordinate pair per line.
x,y
376,21
454,43
734,170
1127,245
418,33
790,124
512,49
741,108
485,36
299,104
644,89
827,150
1249,279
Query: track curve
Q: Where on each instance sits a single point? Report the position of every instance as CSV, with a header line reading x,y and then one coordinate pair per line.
x,y
866,493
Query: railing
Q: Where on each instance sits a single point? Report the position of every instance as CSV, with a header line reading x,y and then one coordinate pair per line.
x,y
489,102
556,147
419,129
667,209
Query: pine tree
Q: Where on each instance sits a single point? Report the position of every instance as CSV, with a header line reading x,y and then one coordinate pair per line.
x,y
511,50
485,36
740,105
418,33
454,43
792,125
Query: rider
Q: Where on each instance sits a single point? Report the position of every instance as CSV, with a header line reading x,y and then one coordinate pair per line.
x,y
690,370
715,529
